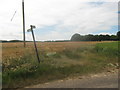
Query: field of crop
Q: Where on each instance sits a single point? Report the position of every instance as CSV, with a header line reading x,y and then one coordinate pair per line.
x,y
58,60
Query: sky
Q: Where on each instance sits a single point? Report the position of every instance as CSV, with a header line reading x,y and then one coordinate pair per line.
x,y
58,19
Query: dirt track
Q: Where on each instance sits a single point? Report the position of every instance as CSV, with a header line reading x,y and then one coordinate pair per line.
x,y
103,80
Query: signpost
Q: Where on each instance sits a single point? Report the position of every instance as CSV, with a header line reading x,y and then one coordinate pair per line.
x,y
31,30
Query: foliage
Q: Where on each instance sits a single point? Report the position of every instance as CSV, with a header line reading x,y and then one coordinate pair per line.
x,y
90,37
118,35
75,37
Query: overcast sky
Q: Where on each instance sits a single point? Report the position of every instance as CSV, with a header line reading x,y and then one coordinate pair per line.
x,y
58,19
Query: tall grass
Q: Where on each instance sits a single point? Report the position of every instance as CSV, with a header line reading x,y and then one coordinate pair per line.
x,y
25,70
109,49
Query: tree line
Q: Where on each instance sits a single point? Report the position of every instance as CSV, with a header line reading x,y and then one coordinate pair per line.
x,y
78,37
90,37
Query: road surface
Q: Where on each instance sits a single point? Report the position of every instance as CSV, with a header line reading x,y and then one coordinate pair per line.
x,y
103,80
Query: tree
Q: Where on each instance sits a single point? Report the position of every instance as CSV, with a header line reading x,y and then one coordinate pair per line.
x,y
118,35
75,37
107,37
89,37
113,38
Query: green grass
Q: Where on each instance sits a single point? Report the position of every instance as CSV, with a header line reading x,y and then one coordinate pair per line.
x,y
44,73
108,49
72,54
57,65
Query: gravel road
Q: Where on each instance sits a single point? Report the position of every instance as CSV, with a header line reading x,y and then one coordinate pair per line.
x,y
102,80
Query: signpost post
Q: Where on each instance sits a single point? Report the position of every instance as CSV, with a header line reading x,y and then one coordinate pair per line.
x,y
31,30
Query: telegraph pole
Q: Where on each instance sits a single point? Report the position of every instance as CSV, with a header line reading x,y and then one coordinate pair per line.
x,y
23,23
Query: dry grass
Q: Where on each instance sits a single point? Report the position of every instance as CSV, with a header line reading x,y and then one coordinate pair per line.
x,y
60,59
17,49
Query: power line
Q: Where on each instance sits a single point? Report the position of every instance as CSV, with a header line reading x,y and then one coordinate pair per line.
x,y
13,15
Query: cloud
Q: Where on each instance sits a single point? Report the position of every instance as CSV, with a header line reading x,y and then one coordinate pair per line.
x,y
57,19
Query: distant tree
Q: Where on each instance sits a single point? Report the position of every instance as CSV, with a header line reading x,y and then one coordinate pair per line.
x,y
75,37
118,35
96,38
3,41
15,41
113,38
107,37
101,37
90,37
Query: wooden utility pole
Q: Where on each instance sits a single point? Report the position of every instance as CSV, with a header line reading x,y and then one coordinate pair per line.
x,y
23,23
36,50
